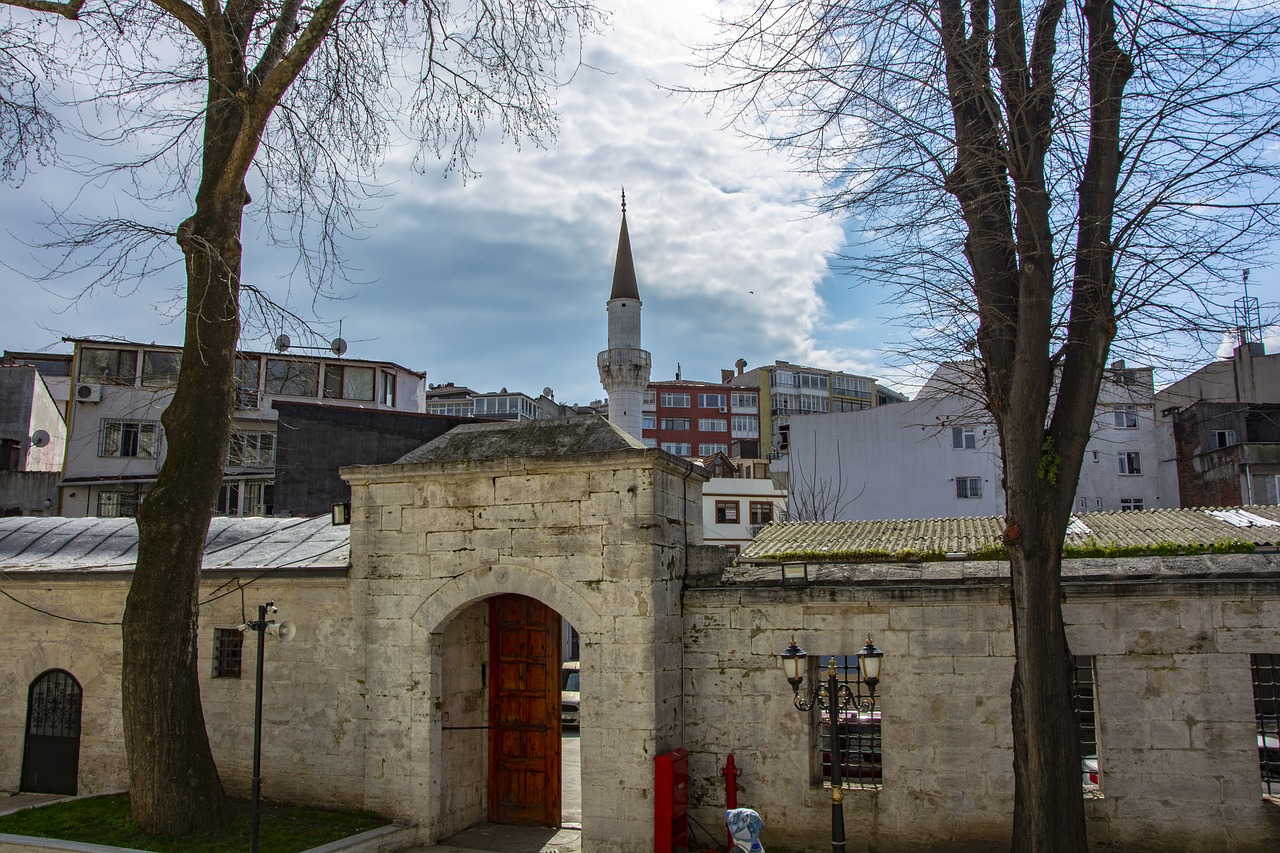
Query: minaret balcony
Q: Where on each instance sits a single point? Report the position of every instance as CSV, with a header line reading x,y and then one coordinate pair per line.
x,y
626,358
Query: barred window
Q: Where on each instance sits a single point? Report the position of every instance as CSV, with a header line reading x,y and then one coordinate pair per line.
x,y
857,732
968,487
118,504
1084,701
228,647
1266,704
140,439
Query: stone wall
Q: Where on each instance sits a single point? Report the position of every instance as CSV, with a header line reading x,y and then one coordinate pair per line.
x,y
1177,741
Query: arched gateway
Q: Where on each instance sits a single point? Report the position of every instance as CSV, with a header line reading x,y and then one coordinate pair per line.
x,y
572,514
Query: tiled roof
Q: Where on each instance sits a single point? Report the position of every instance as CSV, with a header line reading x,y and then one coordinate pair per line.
x,y
33,544
1259,525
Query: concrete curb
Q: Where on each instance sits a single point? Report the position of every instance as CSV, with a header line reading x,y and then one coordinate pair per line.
x,y
384,838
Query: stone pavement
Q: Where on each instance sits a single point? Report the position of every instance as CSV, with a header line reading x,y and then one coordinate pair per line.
x,y
11,801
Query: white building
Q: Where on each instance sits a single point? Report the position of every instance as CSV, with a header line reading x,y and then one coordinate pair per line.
x,y
736,503
115,441
939,456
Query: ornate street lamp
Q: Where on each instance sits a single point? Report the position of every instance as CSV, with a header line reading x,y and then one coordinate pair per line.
x,y
285,631
836,699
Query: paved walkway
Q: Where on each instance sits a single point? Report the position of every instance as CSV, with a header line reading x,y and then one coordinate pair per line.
x,y
11,802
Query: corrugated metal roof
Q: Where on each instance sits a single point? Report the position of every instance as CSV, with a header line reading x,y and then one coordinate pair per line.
x,y
30,544
955,535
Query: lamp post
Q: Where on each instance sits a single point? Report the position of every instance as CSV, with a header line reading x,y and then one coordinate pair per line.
x,y
285,631
835,698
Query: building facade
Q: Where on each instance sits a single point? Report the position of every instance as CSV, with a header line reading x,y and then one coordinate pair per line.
x,y
1218,440
116,444
939,456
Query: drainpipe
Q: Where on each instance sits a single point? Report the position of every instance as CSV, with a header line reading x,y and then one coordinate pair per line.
x,y
1248,479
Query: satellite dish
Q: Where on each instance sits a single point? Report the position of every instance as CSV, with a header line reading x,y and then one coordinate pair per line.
x,y
339,346
39,438
282,343
548,393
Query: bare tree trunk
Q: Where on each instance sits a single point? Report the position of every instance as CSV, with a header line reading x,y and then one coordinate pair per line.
x,y
173,779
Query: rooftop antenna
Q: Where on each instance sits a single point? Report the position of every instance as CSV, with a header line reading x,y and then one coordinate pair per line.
x,y
1248,316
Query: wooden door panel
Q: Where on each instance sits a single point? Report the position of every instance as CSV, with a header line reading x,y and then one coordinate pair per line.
x,y
524,712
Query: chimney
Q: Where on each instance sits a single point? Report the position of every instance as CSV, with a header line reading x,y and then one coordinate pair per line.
x,y
741,364
725,376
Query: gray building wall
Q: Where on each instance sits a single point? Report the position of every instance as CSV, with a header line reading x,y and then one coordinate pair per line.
x,y
313,442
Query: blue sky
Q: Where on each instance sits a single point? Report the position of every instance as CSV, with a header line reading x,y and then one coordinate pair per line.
x,y
502,281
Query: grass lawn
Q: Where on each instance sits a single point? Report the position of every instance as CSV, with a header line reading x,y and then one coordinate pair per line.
x,y
105,820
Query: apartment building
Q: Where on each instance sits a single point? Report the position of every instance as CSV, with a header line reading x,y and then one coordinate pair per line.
x,y
116,444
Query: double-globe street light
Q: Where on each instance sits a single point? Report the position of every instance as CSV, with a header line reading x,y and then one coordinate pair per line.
x,y
836,699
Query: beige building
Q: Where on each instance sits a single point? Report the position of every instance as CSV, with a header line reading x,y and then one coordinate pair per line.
x,y
422,682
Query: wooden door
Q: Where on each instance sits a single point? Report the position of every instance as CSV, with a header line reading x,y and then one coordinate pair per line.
x,y
524,712
51,752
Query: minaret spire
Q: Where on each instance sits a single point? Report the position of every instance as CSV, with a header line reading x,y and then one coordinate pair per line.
x,y
624,366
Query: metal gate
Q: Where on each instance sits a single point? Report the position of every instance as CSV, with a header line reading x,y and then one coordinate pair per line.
x,y
51,754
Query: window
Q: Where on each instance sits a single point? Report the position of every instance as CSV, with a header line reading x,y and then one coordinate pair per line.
x,y
119,504
850,386
1084,503
964,438
711,401
345,382
228,647
744,400
809,403
857,732
290,378
726,512
1126,417
1221,438
675,423
1130,463
761,512
388,395
735,550
650,397
808,380
713,424
968,487
709,449
452,408
1265,670
746,426
1131,504
676,401
109,366
254,449
678,448
840,405
650,442
245,497
649,422
160,369
129,439
1084,701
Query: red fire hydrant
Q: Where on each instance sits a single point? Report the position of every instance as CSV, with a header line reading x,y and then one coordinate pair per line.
x,y
730,774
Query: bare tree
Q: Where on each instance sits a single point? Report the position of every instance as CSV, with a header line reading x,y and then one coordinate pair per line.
x,y
27,121
817,495
1039,176
296,101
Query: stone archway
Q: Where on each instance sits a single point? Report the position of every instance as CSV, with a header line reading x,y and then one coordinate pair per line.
x,y
453,617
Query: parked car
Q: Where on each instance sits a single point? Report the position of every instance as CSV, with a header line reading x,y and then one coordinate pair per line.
x,y
569,673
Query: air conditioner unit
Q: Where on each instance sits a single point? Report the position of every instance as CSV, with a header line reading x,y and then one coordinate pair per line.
x,y
87,392
724,409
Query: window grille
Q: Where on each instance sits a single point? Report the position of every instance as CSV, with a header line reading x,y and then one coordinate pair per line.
x,y
968,487
1266,703
1084,701
228,649
857,733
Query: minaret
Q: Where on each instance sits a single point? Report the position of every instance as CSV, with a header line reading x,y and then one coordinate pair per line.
x,y
624,366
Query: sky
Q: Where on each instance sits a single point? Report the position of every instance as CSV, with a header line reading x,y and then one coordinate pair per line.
x,y
501,281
